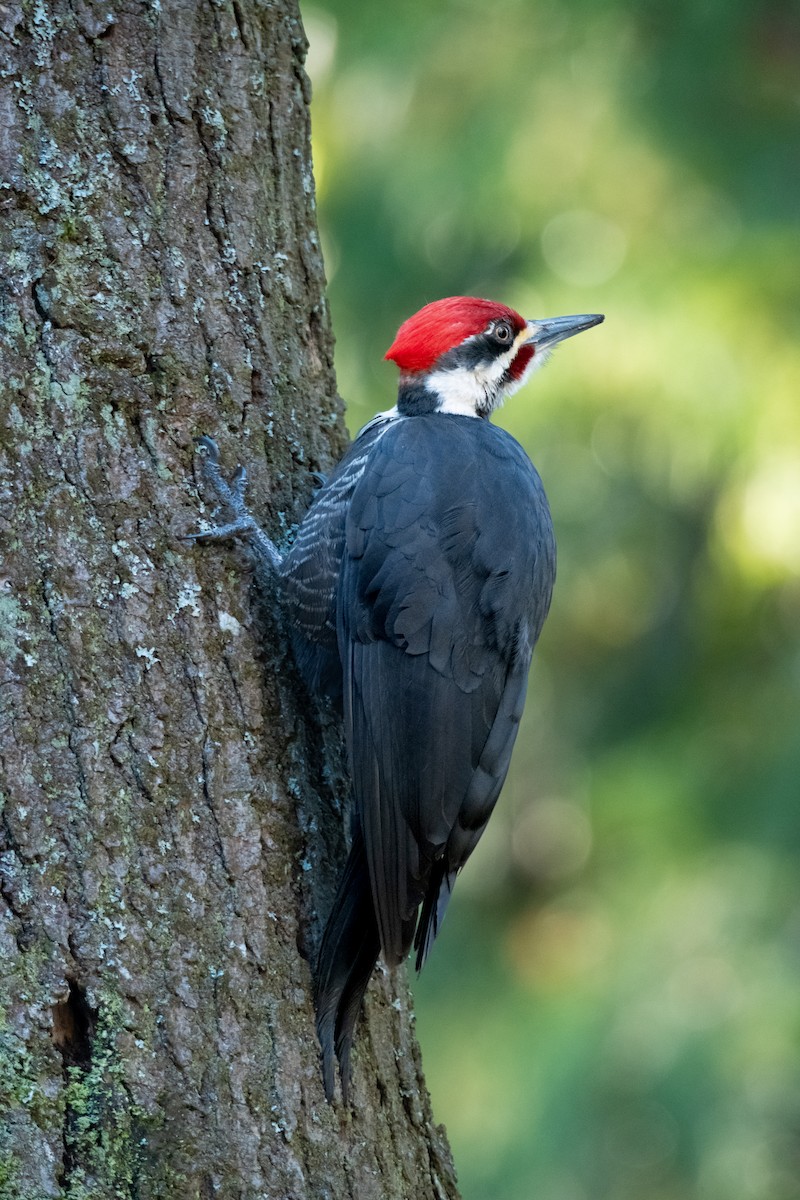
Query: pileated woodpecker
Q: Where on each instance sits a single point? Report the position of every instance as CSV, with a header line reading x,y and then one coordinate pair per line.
x,y
416,588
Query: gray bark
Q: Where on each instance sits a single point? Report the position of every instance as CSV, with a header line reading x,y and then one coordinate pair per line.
x,y
173,806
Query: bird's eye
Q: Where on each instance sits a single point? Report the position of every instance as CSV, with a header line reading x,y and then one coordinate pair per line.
x,y
502,331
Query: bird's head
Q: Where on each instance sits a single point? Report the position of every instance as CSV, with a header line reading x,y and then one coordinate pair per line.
x,y
464,355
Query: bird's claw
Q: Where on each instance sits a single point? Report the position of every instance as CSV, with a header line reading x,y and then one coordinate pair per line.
x,y
238,483
220,533
231,493
204,442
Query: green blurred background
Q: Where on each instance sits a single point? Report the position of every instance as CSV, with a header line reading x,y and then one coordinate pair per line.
x,y
613,1010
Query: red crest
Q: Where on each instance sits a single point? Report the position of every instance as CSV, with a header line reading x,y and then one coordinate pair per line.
x,y
440,326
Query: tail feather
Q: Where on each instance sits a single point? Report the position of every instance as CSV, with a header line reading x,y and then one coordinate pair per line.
x,y
437,898
347,956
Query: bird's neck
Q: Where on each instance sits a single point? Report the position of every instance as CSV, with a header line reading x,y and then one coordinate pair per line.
x,y
414,397
440,392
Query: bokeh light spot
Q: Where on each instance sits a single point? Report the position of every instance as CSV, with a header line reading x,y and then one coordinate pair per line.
x,y
583,248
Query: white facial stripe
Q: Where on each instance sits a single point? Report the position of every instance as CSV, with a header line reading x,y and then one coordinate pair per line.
x,y
459,391
470,390
473,391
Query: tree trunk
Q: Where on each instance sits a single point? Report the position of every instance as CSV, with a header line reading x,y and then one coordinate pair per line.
x,y
173,808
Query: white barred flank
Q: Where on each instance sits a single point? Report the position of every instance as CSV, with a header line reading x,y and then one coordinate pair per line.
x,y
311,568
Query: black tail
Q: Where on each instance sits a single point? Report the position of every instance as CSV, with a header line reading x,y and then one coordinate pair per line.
x,y
437,897
347,956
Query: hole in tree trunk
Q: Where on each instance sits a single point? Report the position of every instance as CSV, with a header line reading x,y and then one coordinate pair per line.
x,y
74,1023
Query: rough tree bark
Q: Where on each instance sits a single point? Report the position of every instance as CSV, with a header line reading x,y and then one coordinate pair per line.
x,y
173,806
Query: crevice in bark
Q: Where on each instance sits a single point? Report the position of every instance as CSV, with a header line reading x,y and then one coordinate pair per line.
x,y
74,1023
240,24
40,307
207,767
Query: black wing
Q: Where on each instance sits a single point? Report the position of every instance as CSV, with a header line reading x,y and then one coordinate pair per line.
x,y
446,580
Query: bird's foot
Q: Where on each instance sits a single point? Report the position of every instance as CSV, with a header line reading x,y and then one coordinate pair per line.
x,y
231,494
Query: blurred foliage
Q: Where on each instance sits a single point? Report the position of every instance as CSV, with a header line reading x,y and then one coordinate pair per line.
x,y
613,1010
